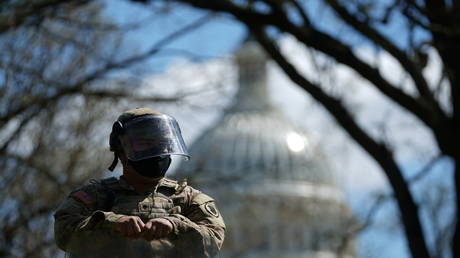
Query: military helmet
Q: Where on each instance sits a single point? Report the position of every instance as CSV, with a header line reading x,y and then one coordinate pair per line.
x,y
144,133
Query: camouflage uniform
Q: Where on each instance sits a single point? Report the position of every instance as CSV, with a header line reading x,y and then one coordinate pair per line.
x,y
84,222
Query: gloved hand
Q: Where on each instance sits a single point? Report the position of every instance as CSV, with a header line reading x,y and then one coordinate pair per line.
x,y
130,226
157,228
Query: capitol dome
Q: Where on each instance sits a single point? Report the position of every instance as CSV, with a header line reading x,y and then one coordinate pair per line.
x,y
272,184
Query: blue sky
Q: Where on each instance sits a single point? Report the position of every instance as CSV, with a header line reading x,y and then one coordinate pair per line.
x,y
219,37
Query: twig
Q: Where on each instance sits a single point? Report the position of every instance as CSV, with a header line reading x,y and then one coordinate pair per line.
x,y
427,168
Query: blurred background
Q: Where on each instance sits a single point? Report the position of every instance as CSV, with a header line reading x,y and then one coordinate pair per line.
x,y
323,128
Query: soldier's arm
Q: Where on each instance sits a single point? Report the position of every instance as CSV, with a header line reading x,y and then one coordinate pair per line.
x,y
201,228
78,217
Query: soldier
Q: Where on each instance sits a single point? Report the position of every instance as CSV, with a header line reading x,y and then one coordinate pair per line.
x,y
142,213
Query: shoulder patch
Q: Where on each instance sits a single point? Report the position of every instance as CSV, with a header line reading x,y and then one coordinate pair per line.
x,y
211,209
83,197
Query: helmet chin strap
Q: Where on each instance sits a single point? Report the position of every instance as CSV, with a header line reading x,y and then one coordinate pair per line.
x,y
114,162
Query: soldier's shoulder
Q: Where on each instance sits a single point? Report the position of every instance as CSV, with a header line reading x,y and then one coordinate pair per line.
x,y
90,187
196,195
110,182
206,204
87,194
93,191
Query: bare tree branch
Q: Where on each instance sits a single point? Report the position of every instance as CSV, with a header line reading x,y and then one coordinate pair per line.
x,y
412,68
78,87
14,15
425,170
378,151
340,52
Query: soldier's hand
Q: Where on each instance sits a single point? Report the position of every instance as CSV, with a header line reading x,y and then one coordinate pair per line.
x,y
130,226
157,228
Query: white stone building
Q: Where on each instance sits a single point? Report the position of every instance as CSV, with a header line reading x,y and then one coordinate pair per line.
x,y
274,189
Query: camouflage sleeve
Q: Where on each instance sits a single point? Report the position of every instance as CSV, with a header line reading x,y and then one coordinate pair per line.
x,y
79,217
201,229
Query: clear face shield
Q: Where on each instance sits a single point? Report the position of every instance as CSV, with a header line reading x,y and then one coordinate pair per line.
x,y
151,136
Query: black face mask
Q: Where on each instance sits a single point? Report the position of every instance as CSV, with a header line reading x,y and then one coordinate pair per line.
x,y
152,167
